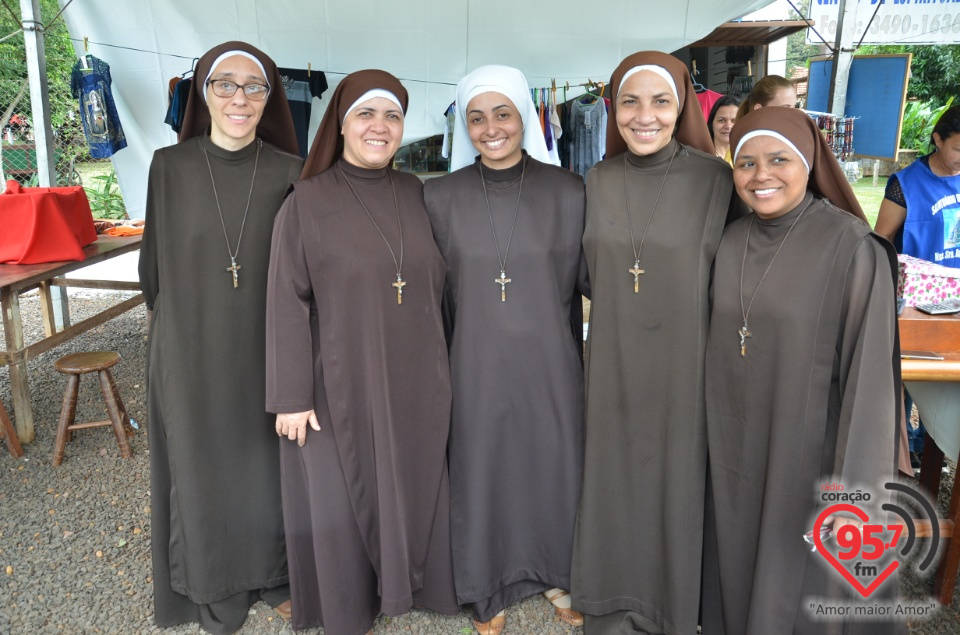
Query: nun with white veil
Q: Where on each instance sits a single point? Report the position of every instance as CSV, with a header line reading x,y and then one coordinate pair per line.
x,y
509,226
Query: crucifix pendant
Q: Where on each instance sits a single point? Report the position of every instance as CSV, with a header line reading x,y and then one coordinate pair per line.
x,y
234,268
744,334
637,272
399,284
502,281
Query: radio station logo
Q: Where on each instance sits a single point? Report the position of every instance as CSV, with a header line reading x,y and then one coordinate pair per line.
x,y
866,553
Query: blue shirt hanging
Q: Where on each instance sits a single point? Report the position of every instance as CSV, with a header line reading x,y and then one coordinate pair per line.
x,y
98,112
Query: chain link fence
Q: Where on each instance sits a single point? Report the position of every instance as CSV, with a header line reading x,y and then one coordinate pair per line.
x,y
18,154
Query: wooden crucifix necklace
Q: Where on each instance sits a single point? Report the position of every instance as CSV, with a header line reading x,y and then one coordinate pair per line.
x,y
234,267
400,282
635,270
744,331
503,279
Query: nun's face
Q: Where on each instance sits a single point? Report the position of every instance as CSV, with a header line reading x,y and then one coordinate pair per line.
x,y
371,133
234,119
647,112
496,130
770,177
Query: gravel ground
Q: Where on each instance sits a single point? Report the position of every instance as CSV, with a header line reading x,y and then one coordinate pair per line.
x,y
75,540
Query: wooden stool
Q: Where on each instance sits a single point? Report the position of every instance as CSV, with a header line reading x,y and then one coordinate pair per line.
x,y
7,432
79,364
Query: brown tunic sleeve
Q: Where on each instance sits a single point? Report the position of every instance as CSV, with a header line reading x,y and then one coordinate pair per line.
x,y
149,266
290,380
865,449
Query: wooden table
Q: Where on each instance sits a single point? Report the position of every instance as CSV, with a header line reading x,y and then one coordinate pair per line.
x,y
939,333
18,279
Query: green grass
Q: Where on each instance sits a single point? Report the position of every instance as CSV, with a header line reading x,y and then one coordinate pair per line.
x,y
870,196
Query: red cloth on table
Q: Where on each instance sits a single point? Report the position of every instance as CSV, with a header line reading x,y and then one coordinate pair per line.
x,y
44,224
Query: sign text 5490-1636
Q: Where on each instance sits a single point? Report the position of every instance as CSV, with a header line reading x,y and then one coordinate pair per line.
x,y
897,21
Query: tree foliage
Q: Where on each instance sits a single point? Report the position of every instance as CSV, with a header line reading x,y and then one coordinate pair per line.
x,y
798,51
60,57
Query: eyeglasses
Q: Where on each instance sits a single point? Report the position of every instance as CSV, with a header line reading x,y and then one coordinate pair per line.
x,y
226,88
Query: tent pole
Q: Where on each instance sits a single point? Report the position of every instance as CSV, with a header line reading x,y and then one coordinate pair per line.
x,y
842,57
39,91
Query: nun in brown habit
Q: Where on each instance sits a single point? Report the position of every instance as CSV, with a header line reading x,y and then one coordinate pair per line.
x,y
217,530
802,385
656,207
357,371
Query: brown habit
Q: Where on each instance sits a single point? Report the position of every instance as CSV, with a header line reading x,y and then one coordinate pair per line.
x,y
217,532
637,550
811,403
517,377
366,499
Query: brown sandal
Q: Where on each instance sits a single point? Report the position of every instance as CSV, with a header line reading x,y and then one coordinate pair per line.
x,y
568,616
284,610
493,627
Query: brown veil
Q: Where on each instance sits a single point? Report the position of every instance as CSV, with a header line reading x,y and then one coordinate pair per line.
x,y
276,125
691,126
826,177
328,144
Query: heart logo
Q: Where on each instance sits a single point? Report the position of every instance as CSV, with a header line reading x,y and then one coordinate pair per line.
x,y
865,591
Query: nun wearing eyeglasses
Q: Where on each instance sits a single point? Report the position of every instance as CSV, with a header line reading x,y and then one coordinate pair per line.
x,y
217,528
802,385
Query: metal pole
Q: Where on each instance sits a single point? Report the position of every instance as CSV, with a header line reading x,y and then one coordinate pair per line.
x,y
39,91
842,57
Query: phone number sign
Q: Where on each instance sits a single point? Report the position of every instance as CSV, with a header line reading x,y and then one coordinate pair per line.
x,y
896,22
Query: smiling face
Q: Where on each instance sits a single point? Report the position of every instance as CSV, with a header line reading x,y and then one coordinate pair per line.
x,y
770,177
234,119
723,124
496,130
371,133
647,112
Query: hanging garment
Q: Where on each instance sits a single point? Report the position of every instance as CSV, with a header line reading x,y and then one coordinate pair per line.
x,y
301,86
178,103
707,99
588,132
450,118
90,84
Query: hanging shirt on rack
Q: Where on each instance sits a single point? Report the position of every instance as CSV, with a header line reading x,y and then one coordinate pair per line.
x,y
178,103
588,134
90,83
450,119
707,99
301,86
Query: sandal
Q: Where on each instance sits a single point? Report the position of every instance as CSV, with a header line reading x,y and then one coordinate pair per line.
x,y
284,610
568,616
493,627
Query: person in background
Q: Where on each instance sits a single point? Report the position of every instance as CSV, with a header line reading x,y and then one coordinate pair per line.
x,y
802,373
770,92
720,123
357,372
656,207
914,218
217,524
516,439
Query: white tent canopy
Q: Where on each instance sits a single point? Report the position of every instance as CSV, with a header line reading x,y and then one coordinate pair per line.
x,y
429,44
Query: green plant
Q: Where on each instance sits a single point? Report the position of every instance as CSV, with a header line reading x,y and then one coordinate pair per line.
x,y
918,121
105,199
